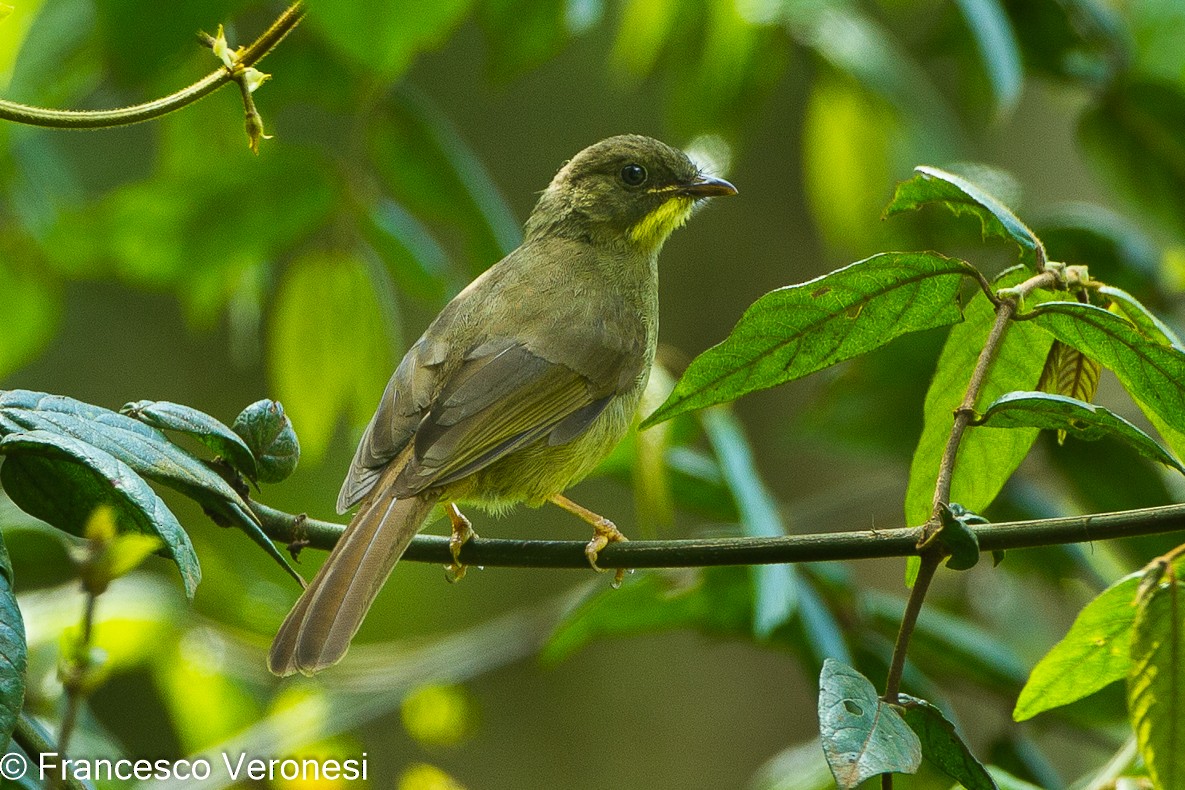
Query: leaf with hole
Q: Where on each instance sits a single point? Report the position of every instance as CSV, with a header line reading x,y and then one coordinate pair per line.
x,y
61,480
797,330
862,735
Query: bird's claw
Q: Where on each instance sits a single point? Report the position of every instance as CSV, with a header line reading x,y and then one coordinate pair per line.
x,y
604,533
462,532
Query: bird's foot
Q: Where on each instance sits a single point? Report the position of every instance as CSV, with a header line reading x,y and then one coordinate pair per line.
x,y
604,533
462,532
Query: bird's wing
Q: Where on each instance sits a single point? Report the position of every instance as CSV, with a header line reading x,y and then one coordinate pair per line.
x,y
505,395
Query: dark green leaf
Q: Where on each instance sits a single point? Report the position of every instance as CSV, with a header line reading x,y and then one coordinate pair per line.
x,y
1076,40
862,735
268,432
998,49
986,459
956,193
774,585
1132,137
943,746
1156,682
207,430
797,330
61,480
1083,420
523,34
13,652
1154,374
959,539
1094,653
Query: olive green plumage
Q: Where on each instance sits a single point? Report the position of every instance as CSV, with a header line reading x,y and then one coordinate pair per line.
x,y
519,387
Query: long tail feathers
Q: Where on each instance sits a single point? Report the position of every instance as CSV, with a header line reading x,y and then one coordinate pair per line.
x,y
318,630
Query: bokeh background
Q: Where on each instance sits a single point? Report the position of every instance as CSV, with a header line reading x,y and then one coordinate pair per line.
x,y
166,261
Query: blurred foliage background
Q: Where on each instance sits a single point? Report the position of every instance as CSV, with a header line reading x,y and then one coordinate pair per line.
x,y
165,261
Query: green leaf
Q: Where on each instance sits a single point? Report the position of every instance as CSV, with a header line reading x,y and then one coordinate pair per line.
x,y
998,48
61,480
943,746
1156,683
523,34
1154,374
1145,321
862,735
799,329
330,351
959,538
31,309
211,432
267,431
13,652
127,551
1094,653
960,196
775,586
1078,418
986,459
1132,138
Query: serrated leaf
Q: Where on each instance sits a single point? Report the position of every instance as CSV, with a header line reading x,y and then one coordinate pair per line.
x,y
1082,420
960,196
201,426
799,329
862,735
1154,374
1156,683
1094,653
1146,322
61,480
998,49
986,459
267,430
943,746
775,586
13,652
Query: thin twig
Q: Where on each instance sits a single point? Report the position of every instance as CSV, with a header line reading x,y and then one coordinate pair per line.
x,y
97,119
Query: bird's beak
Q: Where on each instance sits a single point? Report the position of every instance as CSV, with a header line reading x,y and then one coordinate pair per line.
x,y
706,187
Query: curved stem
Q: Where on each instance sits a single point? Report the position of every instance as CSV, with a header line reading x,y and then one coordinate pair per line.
x,y
97,119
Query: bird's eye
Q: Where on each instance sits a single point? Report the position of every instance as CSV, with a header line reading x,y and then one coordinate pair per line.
x,y
633,175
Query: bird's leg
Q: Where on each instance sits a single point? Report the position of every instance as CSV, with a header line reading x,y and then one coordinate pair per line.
x,y
604,533
462,532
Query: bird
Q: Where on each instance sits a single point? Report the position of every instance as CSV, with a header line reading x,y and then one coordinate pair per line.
x,y
520,386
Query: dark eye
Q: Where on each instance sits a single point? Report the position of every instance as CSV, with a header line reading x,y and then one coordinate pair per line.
x,y
633,175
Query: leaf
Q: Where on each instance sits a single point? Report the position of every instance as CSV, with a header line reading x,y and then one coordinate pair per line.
x,y
1132,139
211,432
958,537
1069,372
329,351
31,310
943,746
267,431
1156,683
1146,322
799,329
960,196
774,595
986,459
13,652
1083,420
61,480
1094,653
1154,374
862,735
998,49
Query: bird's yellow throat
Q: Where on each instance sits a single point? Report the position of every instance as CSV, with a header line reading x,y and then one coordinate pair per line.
x,y
654,228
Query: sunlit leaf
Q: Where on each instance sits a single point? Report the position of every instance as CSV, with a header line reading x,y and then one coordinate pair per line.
x,y
201,426
931,185
386,43
1156,683
862,735
986,459
1094,653
1082,420
330,351
943,746
61,480
13,651
998,49
1146,322
642,33
799,329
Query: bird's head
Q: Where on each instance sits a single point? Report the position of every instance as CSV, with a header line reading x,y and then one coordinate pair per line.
x,y
628,189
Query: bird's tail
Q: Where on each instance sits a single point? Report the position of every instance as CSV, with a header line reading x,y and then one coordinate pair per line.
x,y
318,630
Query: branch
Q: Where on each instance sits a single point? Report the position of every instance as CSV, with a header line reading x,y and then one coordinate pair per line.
x,y
693,553
97,119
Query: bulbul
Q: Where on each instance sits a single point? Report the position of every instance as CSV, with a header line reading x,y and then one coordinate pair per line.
x,y
521,385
